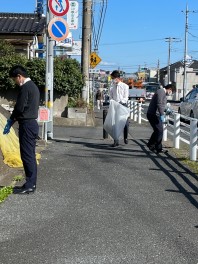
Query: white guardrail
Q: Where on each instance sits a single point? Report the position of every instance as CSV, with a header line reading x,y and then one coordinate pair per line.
x,y
173,126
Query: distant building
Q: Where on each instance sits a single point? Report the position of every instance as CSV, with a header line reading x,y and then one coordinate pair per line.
x,y
177,76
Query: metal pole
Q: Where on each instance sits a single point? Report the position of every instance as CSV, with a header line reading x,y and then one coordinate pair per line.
x,y
105,134
50,78
86,46
46,70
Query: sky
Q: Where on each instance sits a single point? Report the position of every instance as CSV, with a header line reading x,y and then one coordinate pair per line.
x,y
134,32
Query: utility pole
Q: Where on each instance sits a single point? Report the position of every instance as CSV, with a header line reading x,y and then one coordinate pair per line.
x,y
185,53
169,40
86,46
158,71
185,50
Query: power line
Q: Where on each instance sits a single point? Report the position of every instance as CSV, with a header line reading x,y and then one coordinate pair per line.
x,y
97,30
129,42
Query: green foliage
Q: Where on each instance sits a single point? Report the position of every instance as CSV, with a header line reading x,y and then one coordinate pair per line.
x,y
6,48
18,178
5,192
36,70
8,58
67,77
67,73
76,102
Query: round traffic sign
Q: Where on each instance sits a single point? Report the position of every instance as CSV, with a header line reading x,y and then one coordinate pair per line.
x,y
58,7
58,29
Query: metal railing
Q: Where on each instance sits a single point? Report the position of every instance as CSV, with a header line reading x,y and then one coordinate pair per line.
x,y
173,126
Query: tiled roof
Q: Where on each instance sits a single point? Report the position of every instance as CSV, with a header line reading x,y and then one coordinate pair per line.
x,y
15,23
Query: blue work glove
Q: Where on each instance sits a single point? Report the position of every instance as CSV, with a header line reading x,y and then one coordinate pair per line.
x,y
162,118
8,126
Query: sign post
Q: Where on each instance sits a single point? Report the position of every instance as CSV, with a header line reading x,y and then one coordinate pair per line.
x,y
57,30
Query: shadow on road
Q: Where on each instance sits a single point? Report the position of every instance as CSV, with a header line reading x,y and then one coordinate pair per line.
x,y
183,173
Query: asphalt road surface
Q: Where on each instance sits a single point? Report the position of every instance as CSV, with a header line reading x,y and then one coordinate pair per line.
x,y
98,205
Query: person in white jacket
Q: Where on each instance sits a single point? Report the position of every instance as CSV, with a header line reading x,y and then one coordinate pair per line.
x,y
119,92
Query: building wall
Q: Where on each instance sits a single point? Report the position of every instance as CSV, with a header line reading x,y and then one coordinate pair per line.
x,y
176,77
191,79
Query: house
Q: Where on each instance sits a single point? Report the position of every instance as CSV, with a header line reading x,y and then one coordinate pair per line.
x,y
177,77
25,31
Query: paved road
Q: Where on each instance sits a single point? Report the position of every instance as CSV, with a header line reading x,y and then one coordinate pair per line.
x,y
96,204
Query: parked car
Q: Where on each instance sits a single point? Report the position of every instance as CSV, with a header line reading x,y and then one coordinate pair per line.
x,y
189,105
151,88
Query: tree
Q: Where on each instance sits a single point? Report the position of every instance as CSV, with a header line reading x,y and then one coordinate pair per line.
x,y
67,73
8,58
67,77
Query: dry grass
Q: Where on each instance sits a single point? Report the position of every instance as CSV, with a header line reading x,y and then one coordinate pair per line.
x,y
183,155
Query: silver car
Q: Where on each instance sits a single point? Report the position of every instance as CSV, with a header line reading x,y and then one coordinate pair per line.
x,y
189,105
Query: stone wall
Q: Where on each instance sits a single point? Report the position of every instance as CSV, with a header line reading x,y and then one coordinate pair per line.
x,y
59,106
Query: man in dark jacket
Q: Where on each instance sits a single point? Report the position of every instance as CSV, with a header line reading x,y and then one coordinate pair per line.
x,y
155,115
26,112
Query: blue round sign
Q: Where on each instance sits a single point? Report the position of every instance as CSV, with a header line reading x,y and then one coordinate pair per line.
x,y
58,29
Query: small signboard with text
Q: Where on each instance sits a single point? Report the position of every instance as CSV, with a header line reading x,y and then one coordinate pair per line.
x,y
72,15
43,114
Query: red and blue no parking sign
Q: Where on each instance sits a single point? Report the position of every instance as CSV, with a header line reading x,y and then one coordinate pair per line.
x,y
58,7
58,29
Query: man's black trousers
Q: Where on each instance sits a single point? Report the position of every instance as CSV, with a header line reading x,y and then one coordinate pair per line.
x,y
28,133
157,135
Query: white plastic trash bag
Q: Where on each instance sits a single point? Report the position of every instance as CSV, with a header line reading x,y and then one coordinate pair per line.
x,y
116,119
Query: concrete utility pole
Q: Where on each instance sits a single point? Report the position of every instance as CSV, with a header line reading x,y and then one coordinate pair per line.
x,y
158,71
185,51
170,40
86,46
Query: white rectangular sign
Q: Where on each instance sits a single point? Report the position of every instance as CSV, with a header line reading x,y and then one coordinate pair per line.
x,y
72,15
76,49
67,43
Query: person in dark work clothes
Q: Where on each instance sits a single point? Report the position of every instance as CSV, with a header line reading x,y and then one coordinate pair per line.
x,y
26,112
155,115
119,92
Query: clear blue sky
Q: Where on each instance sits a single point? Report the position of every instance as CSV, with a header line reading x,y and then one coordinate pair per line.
x,y
134,32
